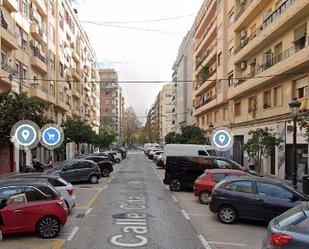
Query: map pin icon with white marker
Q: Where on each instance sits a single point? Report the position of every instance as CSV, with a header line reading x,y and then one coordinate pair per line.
x,y
25,134
222,138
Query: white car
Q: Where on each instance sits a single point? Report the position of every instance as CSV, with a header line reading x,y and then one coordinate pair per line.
x,y
63,187
117,155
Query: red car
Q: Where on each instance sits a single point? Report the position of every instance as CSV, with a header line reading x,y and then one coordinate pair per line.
x,y
205,183
27,206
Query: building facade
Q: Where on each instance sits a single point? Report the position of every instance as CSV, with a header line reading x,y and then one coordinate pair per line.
x,y
183,79
46,53
250,61
111,99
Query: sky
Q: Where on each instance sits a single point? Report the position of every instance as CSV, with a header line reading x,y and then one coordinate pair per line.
x,y
138,54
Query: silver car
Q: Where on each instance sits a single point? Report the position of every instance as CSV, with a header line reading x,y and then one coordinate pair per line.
x,y
289,230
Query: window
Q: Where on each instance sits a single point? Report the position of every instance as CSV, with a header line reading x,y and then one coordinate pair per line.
x,y
47,191
271,190
203,121
24,7
202,153
52,88
237,109
61,21
56,182
302,88
252,105
278,96
267,99
216,116
209,118
61,69
25,75
51,60
217,177
52,8
24,41
19,35
231,16
231,79
219,58
231,47
6,192
223,164
224,113
52,33
33,194
18,69
240,186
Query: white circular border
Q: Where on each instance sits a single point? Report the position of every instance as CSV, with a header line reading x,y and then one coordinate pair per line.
x,y
228,145
43,136
33,130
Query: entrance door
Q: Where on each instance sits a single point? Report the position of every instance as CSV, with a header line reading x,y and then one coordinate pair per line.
x,y
238,155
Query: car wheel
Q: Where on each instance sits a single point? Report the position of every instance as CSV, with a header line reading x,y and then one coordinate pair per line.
x,y
227,215
48,227
175,185
204,197
93,179
105,172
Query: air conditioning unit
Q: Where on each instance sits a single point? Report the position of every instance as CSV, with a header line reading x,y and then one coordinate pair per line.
x,y
243,65
243,34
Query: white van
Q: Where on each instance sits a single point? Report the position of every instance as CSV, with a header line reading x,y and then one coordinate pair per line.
x,y
190,150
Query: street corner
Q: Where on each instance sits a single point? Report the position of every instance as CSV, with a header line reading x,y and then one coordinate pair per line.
x,y
14,242
86,196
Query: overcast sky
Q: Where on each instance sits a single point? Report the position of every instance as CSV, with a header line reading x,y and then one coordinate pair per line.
x,y
138,55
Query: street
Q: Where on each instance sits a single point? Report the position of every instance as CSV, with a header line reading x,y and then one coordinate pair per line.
x,y
133,208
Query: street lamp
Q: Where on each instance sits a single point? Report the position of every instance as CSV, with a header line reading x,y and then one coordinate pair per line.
x,y
211,127
294,106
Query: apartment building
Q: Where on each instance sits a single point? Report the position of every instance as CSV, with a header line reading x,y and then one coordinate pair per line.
x,y
111,99
213,55
167,111
183,79
271,62
46,53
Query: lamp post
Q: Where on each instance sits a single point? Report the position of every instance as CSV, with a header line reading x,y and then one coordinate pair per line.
x,y
294,106
210,129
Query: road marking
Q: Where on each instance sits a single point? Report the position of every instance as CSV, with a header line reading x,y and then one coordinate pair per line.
x,y
72,234
174,198
185,214
204,242
88,211
225,243
94,198
105,187
205,215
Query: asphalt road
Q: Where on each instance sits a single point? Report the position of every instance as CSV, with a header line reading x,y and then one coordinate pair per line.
x,y
135,211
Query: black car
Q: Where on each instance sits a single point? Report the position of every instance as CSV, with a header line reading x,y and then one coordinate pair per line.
x,y
181,172
110,156
78,171
122,151
253,198
106,166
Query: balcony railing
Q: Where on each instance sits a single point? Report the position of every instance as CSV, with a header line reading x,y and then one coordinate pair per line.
x,y
206,32
298,46
243,9
206,101
201,59
40,54
269,20
211,73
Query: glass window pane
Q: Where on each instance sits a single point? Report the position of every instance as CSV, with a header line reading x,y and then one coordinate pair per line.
x,y
271,190
240,186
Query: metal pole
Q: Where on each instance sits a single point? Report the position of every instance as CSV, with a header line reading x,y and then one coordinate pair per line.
x,y
294,171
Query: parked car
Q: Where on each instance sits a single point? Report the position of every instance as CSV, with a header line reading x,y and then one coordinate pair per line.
x,y
253,198
106,166
160,161
181,172
109,155
78,170
116,155
62,187
122,151
290,230
204,184
152,152
31,206
157,154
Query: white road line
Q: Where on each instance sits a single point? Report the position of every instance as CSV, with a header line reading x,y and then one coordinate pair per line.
x,y
105,187
88,211
204,242
174,198
72,234
225,243
204,215
185,214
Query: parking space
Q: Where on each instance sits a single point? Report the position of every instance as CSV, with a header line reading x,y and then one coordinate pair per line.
x,y
212,233
86,195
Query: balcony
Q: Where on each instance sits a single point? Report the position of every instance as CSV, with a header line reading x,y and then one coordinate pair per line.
x,y
292,60
209,12
5,71
76,74
11,5
8,34
38,61
205,105
38,33
41,7
209,81
40,92
271,28
75,55
205,57
206,35
76,91
87,87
